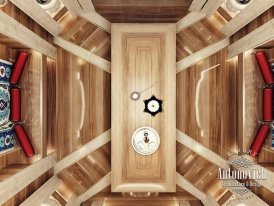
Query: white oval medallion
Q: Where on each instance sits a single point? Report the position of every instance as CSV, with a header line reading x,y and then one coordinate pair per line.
x,y
145,140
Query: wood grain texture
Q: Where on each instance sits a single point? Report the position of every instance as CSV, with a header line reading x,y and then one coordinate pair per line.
x,y
9,27
85,34
143,198
206,102
83,103
256,23
199,35
251,12
82,175
23,178
51,105
27,191
142,11
39,15
24,19
199,172
142,56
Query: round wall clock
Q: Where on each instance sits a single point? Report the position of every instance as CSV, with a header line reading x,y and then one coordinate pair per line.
x,y
153,105
145,140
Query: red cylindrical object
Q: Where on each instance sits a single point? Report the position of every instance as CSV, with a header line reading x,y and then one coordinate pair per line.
x,y
267,104
18,67
24,140
264,67
259,140
15,104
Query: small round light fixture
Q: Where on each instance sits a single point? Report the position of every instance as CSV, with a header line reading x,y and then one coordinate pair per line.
x,y
243,2
43,1
145,141
153,105
135,96
236,5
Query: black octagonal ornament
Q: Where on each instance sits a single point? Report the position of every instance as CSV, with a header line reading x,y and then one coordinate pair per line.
x,y
153,105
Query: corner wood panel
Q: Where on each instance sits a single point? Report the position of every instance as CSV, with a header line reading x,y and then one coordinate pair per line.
x,y
143,55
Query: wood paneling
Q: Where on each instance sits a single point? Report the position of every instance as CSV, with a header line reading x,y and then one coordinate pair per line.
x,y
206,102
200,172
22,18
11,43
199,36
256,23
51,106
142,11
143,56
82,100
85,34
27,191
106,195
85,173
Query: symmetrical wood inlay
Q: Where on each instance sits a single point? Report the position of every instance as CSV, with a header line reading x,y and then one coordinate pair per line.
x,y
142,57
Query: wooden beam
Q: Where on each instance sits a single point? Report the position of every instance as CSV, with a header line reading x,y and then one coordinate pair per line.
x,y
184,203
202,54
87,5
34,11
20,180
252,11
83,53
14,30
86,10
211,6
206,199
202,150
217,160
99,186
43,193
268,183
82,152
249,198
97,19
252,40
188,20
197,5
78,7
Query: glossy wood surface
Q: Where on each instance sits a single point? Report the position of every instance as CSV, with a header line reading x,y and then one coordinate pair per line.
x,y
199,35
85,34
26,192
206,102
259,21
122,198
82,102
24,19
143,56
142,11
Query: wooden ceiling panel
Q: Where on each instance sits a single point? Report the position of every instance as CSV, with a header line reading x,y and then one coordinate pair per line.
x,y
199,36
142,11
85,34
86,172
